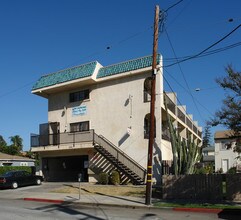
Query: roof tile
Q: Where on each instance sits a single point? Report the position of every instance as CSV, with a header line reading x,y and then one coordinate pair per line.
x,y
130,65
73,73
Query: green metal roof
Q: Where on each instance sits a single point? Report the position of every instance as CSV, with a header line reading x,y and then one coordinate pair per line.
x,y
126,66
73,73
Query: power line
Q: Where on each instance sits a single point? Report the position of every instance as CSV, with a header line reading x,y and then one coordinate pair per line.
x,y
203,51
176,97
189,91
17,89
172,6
208,53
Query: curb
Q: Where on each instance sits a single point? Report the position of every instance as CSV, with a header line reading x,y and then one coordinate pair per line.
x,y
183,209
55,201
85,203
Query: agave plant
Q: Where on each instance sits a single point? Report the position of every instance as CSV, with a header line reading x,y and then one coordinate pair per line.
x,y
186,153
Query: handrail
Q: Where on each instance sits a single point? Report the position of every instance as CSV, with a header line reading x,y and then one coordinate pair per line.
x,y
120,155
122,152
88,136
62,138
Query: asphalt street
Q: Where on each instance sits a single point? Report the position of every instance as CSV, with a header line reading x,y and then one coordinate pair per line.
x,y
24,210
13,205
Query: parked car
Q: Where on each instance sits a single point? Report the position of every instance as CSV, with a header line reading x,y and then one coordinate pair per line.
x,y
14,179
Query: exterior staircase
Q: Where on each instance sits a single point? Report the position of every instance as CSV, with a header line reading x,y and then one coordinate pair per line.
x,y
123,163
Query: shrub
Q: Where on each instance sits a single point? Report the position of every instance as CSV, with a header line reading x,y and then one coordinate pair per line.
x,y
220,171
232,170
115,178
11,168
103,178
201,170
207,169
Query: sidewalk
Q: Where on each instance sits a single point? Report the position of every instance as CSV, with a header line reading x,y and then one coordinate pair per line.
x,y
90,199
43,194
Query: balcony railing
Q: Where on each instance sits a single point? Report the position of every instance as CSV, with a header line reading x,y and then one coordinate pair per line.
x,y
181,115
170,105
62,138
166,134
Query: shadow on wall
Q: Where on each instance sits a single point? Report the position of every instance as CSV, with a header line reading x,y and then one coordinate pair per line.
x,y
123,139
157,167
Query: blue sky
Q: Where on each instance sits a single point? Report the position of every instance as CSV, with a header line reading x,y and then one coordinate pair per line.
x,y
41,37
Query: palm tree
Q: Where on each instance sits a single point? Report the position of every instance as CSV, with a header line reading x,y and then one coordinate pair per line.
x,y
17,142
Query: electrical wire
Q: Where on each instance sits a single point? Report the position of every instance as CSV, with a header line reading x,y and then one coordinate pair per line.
x,y
185,80
172,6
17,89
208,53
209,47
181,105
188,91
180,59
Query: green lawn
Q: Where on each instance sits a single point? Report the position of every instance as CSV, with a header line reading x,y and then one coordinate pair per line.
x,y
193,205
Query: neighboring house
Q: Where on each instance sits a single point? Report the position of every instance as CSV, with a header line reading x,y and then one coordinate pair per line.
x,y
98,121
225,157
208,157
13,160
208,154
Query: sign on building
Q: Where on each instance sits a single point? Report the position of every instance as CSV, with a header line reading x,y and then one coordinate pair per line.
x,y
79,110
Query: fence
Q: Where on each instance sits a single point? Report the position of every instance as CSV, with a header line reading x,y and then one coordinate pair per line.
x,y
215,187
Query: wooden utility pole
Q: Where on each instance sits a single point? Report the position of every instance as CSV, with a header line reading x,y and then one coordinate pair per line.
x,y
152,110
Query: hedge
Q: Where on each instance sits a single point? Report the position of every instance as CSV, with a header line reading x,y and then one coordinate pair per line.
x,y
103,178
115,178
10,168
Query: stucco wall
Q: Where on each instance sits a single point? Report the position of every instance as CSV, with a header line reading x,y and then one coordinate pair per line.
x,y
224,154
115,110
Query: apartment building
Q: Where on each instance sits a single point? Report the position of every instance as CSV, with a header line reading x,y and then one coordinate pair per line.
x,y
98,121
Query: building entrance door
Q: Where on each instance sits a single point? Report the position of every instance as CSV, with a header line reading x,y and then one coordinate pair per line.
x,y
225,165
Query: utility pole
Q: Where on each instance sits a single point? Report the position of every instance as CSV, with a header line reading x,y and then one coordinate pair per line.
x,y
152,110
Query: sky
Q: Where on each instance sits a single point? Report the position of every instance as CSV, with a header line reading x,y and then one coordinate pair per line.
x,y
44,36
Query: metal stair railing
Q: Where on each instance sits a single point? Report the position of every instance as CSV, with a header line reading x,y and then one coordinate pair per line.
x,y
120,155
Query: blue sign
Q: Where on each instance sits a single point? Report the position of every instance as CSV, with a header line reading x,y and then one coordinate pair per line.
x,y
80,110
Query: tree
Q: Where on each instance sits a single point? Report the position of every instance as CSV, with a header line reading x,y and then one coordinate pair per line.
x,y
2,141
3,144
230,113
17,142
207,136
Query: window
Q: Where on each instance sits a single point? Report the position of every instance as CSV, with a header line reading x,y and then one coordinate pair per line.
x,y
226,145
79,96
205,153
79,126
147,122
7,164
147,89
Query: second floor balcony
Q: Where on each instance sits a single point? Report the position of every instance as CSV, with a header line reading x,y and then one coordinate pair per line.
x,y
68,139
